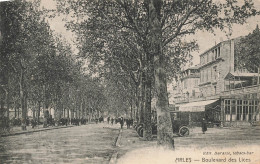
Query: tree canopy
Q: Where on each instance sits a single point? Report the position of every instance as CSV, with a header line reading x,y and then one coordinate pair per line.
x,y
38,69
150,36
248,51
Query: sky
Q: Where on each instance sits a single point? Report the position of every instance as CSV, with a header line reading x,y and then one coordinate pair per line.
x,y
204,39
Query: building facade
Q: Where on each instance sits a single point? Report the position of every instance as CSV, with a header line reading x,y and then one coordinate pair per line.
x,y
187,85
215,64
225,94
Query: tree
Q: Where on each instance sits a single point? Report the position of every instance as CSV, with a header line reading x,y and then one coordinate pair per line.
x,y
156,26
37,64
18,39
248,51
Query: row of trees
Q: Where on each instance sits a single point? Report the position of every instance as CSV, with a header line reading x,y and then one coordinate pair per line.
x,y
38,70
138,45
132,49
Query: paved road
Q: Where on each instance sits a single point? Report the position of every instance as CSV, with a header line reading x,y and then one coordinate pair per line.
x,y
195,147
84,144
220,137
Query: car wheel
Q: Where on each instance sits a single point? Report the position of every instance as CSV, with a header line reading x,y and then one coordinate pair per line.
x,y
184,131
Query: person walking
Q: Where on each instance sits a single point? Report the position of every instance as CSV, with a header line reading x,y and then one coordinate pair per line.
x,y
108,119
112,121
204,125
121,122
127,123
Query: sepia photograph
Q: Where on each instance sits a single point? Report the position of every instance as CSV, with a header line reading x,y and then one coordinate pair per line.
x,y
130,81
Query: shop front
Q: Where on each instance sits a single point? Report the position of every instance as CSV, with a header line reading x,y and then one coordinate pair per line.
x,y
239,110
195,111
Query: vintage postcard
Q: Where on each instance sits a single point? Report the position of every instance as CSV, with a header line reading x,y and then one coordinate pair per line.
x,y
130,81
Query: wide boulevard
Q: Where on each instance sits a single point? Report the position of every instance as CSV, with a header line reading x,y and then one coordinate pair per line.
x,y
91,143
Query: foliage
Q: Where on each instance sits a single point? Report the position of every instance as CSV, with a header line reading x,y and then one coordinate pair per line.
x,y
38,67
145,40
247,52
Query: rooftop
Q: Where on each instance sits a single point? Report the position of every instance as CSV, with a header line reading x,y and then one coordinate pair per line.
x,y
232,75
210,49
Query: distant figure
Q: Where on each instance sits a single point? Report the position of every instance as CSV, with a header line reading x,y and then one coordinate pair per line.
x,y
108,119
131,122
121,122
204,125
112,121
101,119
127,123
46,116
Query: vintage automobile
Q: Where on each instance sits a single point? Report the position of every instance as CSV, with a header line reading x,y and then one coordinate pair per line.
x,y
179,125
180,122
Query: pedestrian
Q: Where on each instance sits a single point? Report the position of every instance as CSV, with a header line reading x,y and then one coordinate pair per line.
x,y
112,121
121,122
131,122
127,123
204,125
108,119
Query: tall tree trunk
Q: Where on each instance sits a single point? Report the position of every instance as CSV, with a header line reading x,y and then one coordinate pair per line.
x,y
89,114
15,109
22,99
76,109
55,109
137,103
44,105
2,104
8,96
72,112
39,111
59,108
84,109
26,103
18,112
147,98
141,99
34,112
68,113
131,108
164,125
81,109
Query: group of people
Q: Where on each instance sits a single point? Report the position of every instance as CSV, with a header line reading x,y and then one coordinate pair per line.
x,y
100,119
121,120
61,121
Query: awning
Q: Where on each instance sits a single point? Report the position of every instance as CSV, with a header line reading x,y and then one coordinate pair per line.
x,y
198,106
239,76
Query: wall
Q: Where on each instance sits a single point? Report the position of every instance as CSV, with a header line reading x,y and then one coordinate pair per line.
x,y
224,64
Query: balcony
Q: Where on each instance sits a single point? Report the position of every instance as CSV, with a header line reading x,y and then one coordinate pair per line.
x,y
232,92
241,91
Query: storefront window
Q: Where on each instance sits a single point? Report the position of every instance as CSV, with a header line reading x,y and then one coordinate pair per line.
x,y
251,109
245,112
233,110
250,113
239,113
241,110
256,111
227,109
